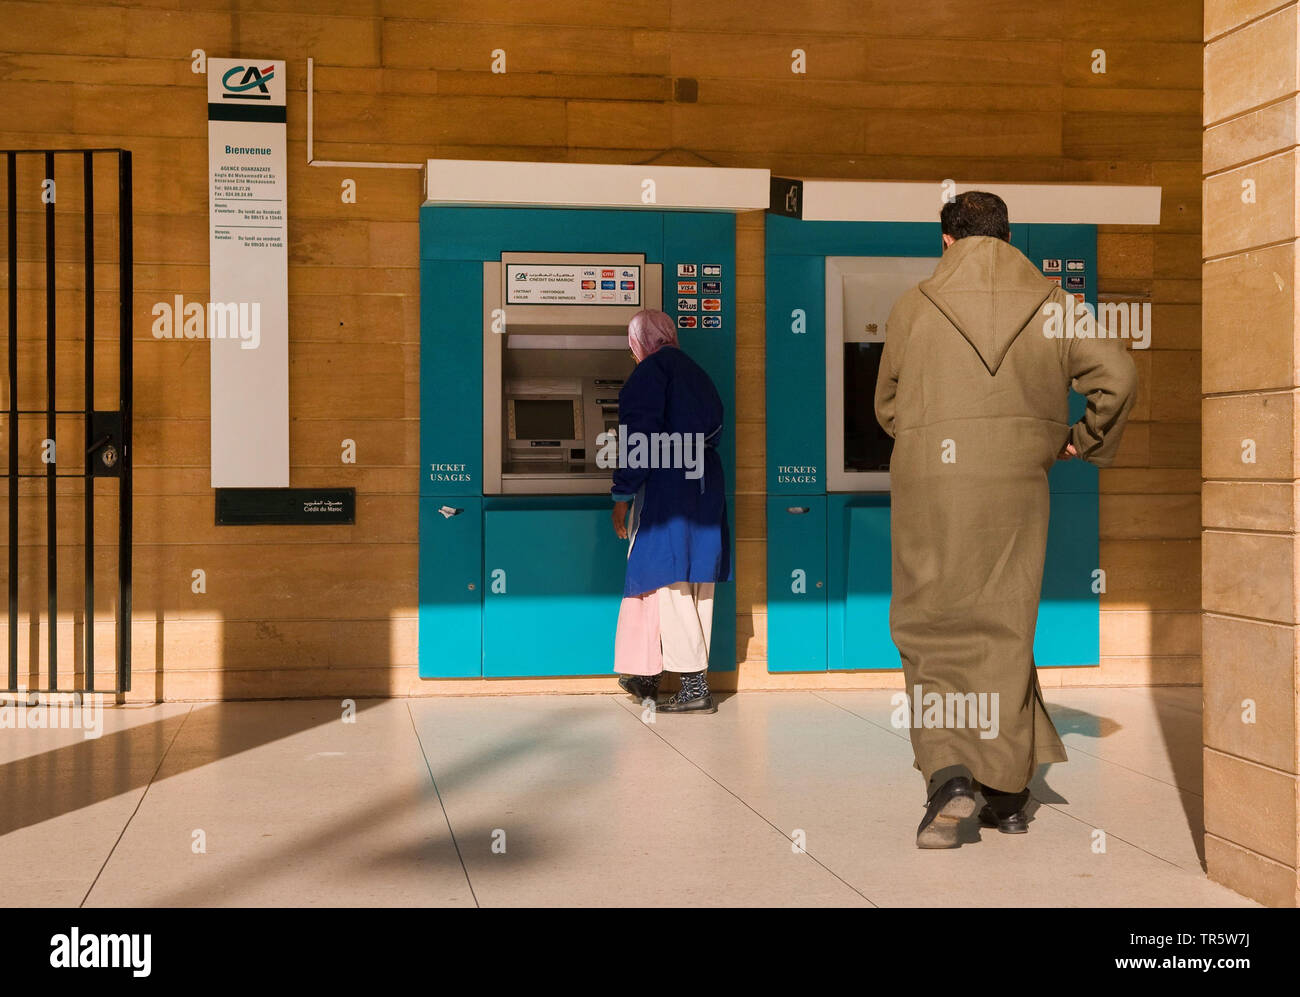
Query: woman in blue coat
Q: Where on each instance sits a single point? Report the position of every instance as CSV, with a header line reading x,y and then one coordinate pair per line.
x,y
670,504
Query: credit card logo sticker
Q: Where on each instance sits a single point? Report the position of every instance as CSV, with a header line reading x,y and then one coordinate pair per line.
x,y
712,287
687,287
1051,266
1074,264
712,321
1074,283
686,270
713,270
686,321
712,304
688,304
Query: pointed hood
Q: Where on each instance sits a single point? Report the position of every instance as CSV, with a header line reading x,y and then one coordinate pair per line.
x,y
989,292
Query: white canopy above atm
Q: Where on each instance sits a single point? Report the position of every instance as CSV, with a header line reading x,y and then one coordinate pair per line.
x,y
484,182
892,201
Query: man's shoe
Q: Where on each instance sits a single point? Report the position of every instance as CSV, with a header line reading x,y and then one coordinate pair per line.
x,y
638,686
1016,823
951,802
700,704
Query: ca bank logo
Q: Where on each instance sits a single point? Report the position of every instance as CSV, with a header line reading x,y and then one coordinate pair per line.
x,y
252,79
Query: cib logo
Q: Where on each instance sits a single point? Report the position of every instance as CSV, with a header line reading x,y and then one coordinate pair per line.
x,y
251,79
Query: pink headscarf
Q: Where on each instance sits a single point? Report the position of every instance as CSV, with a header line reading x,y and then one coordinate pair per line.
x,y
650,330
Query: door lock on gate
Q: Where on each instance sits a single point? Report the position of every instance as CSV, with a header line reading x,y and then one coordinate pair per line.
x,y
104,455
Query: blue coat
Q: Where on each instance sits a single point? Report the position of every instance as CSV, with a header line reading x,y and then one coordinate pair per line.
x,y
679,522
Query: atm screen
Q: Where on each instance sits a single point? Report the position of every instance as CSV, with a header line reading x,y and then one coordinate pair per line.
x,y
543,419
867,447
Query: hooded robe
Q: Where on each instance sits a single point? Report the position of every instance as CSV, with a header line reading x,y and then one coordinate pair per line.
x,y
973,387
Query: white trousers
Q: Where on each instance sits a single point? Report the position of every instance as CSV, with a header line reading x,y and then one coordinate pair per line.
x,y
685,625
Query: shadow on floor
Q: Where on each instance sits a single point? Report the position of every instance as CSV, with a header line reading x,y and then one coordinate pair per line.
x,y
74,776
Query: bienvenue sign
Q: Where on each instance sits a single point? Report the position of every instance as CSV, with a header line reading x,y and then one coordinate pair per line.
x,y
248,273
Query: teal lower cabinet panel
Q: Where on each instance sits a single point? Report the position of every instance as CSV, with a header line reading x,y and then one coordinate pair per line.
x,y
451,587
553,574
553,580
796,583
1069,615
843,624
860,581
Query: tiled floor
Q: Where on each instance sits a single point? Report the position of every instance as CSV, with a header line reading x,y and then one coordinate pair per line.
x,y
575,800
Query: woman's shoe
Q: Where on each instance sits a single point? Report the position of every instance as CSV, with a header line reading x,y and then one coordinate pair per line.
x,y
693,697
641,687
677,703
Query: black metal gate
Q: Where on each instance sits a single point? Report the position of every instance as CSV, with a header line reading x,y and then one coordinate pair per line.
x,y
41,188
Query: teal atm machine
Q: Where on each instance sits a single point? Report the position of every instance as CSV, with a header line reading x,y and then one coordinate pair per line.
x,y
528,276
838,255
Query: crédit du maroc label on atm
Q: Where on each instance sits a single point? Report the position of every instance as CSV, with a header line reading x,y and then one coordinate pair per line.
x,y
573,284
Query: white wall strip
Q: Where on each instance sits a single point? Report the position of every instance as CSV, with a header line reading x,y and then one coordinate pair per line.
x,y
590,185
1062,204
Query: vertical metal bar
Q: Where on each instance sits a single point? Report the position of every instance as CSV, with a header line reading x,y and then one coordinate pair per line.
x,y
11,177
88,210
125,262
51,482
